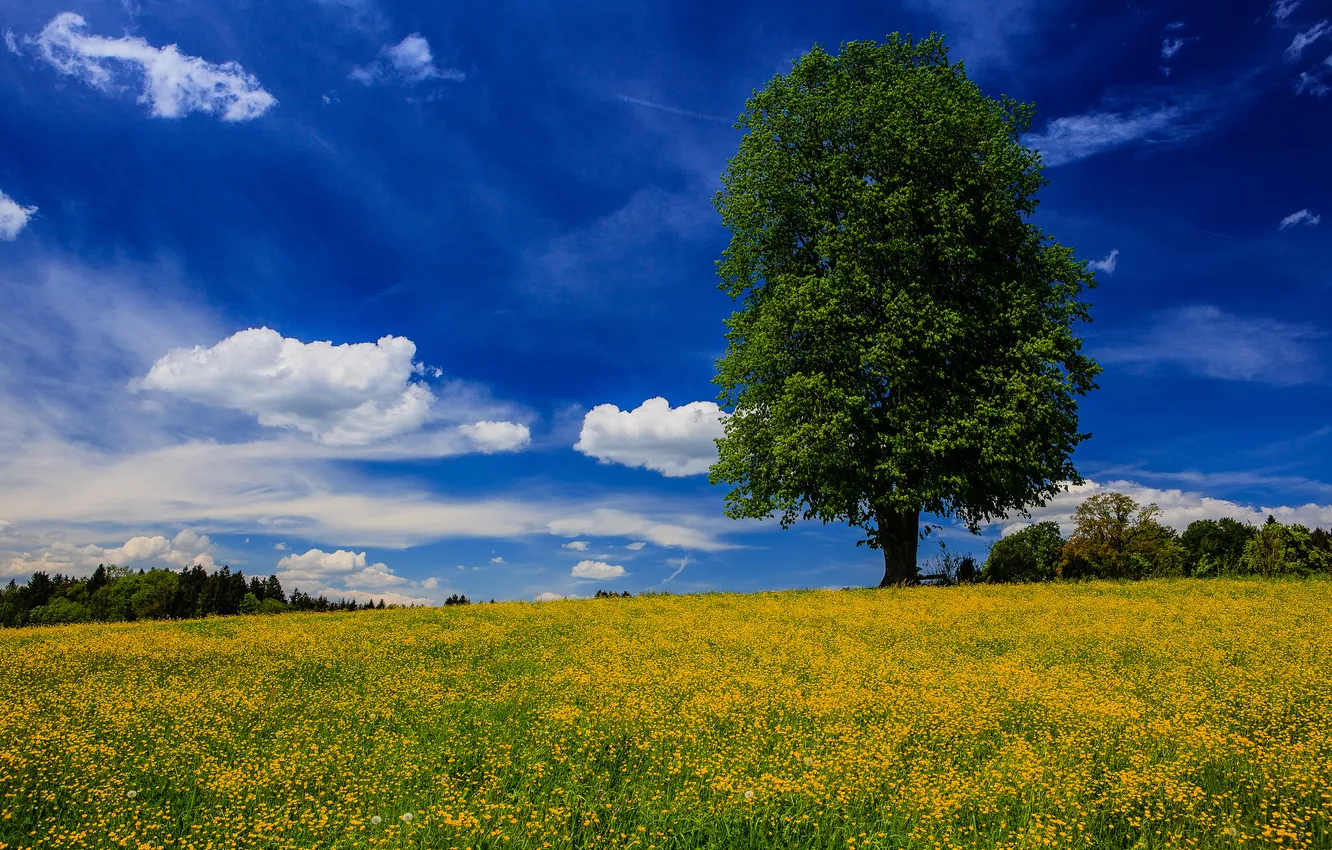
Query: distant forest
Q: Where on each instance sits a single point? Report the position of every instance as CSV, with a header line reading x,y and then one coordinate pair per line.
x,y
114,594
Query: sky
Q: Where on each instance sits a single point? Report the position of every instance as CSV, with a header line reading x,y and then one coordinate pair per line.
x,y
400,300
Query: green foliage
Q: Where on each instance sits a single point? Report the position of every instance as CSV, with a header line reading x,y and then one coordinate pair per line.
x,y
1029,554
249,604
905,341
1276,550
1110,542
1214,547
58,611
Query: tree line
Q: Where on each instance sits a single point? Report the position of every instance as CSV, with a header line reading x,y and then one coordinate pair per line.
x,y
1115,538
117,593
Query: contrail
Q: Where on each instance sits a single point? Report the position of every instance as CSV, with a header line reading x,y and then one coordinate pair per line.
x,y
1198,230
650,105
684,562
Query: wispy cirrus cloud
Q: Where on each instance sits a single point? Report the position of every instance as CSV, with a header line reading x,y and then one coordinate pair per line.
x,y
1282,9
174,84
1306,38
1108,264
1207,341
1301,217
1076,137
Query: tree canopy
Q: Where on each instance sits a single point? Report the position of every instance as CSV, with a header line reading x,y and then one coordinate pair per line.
x,y
904,341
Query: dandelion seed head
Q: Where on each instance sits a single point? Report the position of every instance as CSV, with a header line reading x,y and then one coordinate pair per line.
x,y
809,762
131,793
376,820
407,817
749,795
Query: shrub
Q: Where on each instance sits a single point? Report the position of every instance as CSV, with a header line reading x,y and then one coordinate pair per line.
x,y
1031,554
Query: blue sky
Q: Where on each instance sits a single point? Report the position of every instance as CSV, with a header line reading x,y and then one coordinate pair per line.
x,y
378,296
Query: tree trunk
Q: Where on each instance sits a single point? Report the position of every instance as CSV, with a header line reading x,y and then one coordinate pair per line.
x,y
899,535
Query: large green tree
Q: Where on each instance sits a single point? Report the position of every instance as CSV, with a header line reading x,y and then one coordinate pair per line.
x,y
905,340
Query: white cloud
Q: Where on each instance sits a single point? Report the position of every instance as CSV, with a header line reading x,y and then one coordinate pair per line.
x,y
1076,137
11,43
635,546
1108,264
1281,9
1175,25
576,545
497,560
673,441
431,583
13,217
352,569
679,564
349,394
1312,83
1206,341
173,84
550,596
597,569
82,460
1306,38
491,437
185,549
1301,217
408,61
1171,46
281,547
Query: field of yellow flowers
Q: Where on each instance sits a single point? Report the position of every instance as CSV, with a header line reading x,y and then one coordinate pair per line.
x,y
1157,714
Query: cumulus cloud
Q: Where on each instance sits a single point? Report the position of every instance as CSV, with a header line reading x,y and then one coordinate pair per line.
x,y
1209,342
1306,38
409,61
497,560
174,84
673,441
13,217
281,547
185,549
348,394
597,569
490,437
1108,264
1301,217
576,545
352,569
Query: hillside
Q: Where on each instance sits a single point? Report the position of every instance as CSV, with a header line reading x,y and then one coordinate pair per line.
x,y
1160,713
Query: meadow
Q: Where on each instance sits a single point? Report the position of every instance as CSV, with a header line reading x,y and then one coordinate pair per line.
x,y
1167,713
